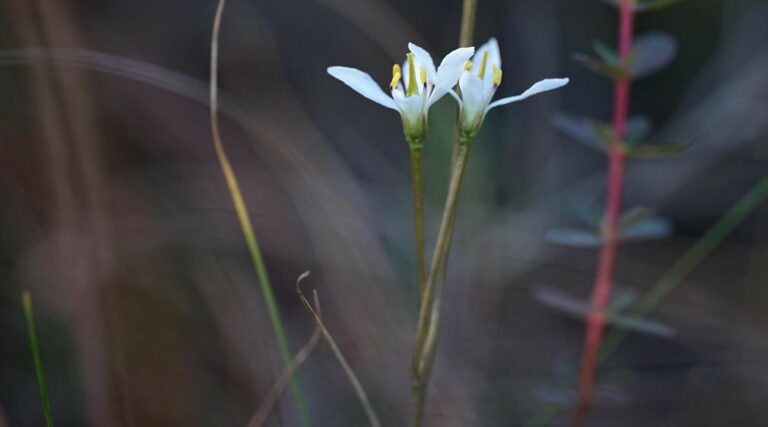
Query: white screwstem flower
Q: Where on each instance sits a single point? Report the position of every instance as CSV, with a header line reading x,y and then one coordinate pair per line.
x,y
478,84
414,91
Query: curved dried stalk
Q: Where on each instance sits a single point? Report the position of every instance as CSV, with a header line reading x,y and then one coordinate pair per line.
x,y
373,419
269,401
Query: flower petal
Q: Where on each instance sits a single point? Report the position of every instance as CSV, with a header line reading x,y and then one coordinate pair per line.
x,y
424,58
452,66
473,106
542,86
448,73
410,107
363,84
494,56
455,96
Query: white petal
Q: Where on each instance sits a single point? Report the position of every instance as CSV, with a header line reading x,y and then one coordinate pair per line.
x,y
472,96
410,106
452,66
455,96
424,58
539,87
363,84
494,57
450,70
437,94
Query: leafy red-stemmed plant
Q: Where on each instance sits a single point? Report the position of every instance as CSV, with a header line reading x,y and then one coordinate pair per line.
x,y
616,165
634,58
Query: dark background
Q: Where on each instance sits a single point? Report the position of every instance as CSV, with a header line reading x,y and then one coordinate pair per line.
x,y
115,215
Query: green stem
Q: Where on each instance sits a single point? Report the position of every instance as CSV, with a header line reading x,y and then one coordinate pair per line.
x,y
418,214
429,314
26,302
245,222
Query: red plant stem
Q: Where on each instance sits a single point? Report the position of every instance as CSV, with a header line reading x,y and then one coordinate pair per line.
x,y
611,222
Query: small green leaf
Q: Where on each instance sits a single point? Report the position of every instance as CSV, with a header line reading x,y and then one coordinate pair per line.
x,y
643,325
608,55
622,298
652,52
578,129
600,67
646,5
638,127
650,6
589,214
652,151
574,238
651,228
633,215
604,131
599,135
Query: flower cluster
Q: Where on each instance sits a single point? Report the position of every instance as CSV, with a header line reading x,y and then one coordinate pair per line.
x,y
418,85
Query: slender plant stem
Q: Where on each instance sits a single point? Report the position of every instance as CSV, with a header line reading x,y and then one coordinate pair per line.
x,y
245,220
469,11
611,222
429,314
416,150
26,302
466,36
373,419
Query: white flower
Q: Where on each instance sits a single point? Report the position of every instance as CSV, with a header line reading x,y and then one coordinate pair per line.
x,y
478,84
416,91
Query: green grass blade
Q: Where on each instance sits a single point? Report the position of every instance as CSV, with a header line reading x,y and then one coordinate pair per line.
x,y
245,222
26,302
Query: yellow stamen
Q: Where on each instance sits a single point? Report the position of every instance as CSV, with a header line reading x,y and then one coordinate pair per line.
x,y
396,76
468,65
481,74
423,75
496,75
412,86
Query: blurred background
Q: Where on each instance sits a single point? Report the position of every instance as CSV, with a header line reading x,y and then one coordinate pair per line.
x,y
116,217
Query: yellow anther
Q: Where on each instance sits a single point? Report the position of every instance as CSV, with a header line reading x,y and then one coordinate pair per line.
x,y
468,65
413,87
423,75
396,76
496,75
481,74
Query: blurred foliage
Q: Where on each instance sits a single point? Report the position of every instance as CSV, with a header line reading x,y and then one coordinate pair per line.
x,y
147,311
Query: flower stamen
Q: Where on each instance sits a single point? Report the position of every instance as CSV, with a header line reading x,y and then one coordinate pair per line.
x,y
412,86
483,65
423,76
468,66
496,76
396,76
